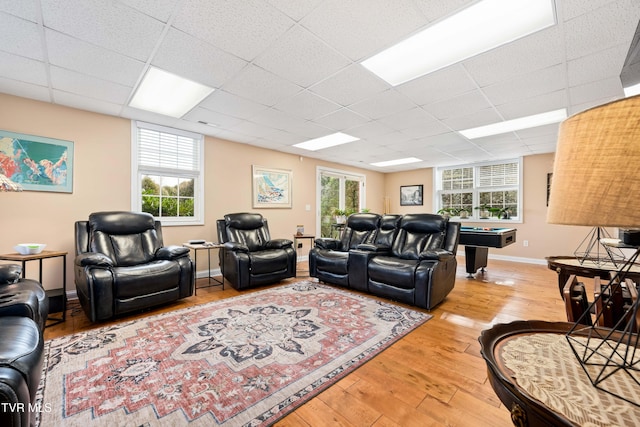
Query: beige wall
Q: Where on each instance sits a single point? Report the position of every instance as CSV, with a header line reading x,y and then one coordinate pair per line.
x,y
544,239
102,181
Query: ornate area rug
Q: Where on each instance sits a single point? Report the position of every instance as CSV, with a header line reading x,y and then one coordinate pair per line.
x,y
247,360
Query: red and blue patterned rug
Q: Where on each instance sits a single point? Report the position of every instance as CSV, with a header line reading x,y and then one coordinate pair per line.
x,y
247,360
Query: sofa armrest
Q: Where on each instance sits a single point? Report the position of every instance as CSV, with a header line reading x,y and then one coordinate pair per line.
x,y
171,252
96,259
327,243
436,255
279,244
235,247
10,273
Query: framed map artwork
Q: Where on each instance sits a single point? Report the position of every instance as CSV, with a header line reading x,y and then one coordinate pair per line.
x,y
271,187
37,163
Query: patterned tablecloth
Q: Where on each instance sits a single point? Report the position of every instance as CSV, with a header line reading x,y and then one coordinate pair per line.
x,y
545,367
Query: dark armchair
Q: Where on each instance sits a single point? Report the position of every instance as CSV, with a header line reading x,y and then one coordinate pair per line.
x,y
250,257
421,267
122,265
329,259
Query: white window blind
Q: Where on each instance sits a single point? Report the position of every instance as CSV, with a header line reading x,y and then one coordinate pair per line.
x,y
163,150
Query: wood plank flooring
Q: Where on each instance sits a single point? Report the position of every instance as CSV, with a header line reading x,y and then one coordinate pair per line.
x,y
434,376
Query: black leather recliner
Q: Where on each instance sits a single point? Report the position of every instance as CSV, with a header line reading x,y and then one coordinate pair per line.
x,y
23,311
421,267
250,257
122,265
329,259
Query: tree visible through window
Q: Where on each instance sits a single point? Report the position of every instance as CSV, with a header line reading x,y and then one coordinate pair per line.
x,y
169,173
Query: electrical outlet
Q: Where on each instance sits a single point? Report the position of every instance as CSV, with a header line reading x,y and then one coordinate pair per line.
x,y
299,245
525,243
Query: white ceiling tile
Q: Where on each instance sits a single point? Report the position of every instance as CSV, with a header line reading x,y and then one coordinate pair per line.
x,y
26,9
295,9
301,57
350,85
359,29
83,103
407,118
20,37
90,87
73,54
342,119
233,105
442,84
438,9
261,86
159,9
25,90
23,69
589,33
196,60
597,66
537,51
108,24
370,129
307,105
384,104
607,88
474,119
461,105
243,28
536,105
212,117
527,85
277,119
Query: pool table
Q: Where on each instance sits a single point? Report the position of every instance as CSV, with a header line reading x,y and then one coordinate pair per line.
x,y
478,240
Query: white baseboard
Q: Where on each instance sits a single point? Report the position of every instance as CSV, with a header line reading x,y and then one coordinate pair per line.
x,y
512,258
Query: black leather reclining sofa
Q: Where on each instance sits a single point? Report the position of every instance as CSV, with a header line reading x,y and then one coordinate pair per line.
x,y
24,308
410,258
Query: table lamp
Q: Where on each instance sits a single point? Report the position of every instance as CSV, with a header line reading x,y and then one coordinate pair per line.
x,y
596,182
7,185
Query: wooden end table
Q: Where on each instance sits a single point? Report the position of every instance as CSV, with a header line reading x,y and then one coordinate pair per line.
x,y
53,294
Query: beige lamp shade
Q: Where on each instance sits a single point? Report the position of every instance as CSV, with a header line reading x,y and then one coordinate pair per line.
x,y
596,173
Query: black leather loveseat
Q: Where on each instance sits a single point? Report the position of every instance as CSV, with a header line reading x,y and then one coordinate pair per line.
x,y
122,265
24,307
410,258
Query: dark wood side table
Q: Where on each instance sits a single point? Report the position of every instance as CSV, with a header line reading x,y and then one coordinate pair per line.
x,y
536,375
565,266
56,294
205,246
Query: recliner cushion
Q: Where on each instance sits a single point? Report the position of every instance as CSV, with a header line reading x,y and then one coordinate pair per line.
x,y
390,270
332,262
156,276
268,261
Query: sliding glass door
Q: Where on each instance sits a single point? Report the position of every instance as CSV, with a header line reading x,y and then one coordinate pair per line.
x,y
338,193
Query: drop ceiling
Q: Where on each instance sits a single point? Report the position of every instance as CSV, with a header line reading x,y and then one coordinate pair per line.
x,y
286,71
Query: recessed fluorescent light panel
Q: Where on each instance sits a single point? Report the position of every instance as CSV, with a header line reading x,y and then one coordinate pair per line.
x,y
326,141
480,27
397,162
166,93
516,124
632,90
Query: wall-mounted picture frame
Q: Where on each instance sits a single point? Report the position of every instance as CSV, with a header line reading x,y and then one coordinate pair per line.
x,y
272,188
411,195
37,163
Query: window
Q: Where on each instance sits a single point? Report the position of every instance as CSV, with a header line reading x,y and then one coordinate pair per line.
x,y
483,191
337,192
168,174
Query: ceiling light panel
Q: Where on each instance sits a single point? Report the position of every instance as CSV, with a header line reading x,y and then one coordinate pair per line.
x,y
480,27
327,141
168,94
396,162
516,124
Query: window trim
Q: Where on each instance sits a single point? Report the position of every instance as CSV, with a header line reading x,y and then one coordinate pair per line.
x,y
198,190
473,217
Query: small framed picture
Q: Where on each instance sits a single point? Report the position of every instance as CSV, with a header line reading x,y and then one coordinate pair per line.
x,y
411,195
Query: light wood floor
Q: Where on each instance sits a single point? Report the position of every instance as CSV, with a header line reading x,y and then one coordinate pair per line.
x,y
435,376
